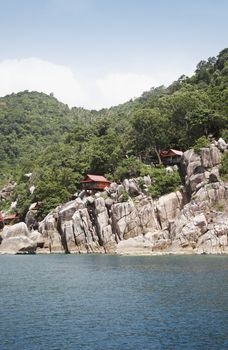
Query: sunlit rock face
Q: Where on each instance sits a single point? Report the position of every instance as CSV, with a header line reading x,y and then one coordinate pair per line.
x,y
124,219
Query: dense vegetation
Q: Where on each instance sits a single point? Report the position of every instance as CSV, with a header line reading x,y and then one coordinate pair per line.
x,y
60,145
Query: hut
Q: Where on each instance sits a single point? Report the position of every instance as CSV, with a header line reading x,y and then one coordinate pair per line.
x,y
11,219
95,183
171,156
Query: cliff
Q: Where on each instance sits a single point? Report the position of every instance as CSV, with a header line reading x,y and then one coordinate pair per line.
x,y
124,219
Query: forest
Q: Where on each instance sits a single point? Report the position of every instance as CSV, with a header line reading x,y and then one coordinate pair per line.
x,y
59,145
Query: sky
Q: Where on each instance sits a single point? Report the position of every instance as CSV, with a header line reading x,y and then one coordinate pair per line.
x,y
99,53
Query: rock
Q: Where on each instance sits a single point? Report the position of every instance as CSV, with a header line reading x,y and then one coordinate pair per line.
x,y
147,180
13,206
221,144
15,239
79,233
100,205
168,207
102,223
18,244
206,160
109,202
214,175
32,189
50,233
82,194
190,161
200,222
37,238
134,246
31,221
67,210
112,188
215,156
133,188
210,157
195,180
16,230
168,170
89,200
120,190
126,185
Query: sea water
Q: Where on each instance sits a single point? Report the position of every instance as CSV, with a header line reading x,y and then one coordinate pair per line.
x,y
113,302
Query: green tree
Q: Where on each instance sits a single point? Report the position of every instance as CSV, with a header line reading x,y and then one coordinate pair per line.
x,y
149,133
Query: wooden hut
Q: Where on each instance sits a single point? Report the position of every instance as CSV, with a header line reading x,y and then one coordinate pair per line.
x,y
171,156
11,219
95,183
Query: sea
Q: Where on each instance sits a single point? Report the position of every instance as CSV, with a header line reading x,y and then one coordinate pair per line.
x,y
57,302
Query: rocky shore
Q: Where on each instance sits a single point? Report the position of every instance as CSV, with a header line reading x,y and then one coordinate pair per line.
x,y
192,220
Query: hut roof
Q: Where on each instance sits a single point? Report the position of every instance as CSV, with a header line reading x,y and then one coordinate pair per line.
x,y
171,152
95,178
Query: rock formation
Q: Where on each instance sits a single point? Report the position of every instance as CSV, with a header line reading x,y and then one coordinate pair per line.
x,y
191,220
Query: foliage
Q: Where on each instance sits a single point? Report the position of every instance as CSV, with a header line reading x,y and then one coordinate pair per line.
x,y
224,167
224,135
164,183
130,167
201,143
124,197
219,206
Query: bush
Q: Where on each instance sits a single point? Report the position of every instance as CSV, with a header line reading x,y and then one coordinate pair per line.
x,y
128,168
202,142
164,183
124,197
224,167
225,135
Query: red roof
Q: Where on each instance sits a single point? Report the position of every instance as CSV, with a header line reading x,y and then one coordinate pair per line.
x,y
95,178
11,217
171,153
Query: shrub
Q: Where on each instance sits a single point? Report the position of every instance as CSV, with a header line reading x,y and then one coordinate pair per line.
x,y
164,183
224,167
128,168
219,206
124,197
202,142
225,135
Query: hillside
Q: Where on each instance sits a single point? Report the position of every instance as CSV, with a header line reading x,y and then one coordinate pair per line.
x,y
30,121
59,145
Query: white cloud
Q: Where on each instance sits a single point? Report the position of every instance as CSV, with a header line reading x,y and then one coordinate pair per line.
x,y
120,87
35,74
43,76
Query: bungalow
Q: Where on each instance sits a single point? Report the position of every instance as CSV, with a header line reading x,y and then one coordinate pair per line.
x,y
95,183
171,156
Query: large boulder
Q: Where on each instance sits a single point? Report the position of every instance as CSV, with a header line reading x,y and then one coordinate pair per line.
x,y
134,246
221,144
199,168
168,207
18,245
16,230
15,239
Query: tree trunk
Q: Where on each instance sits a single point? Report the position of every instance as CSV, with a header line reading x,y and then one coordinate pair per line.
x,y
158,155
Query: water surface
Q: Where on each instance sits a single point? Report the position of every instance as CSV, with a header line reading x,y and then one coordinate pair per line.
x,y
113,302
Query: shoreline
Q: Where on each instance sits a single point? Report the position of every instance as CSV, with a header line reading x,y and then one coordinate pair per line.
x,y
168,253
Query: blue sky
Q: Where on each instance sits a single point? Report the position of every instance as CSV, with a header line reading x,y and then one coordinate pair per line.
x,y
97,53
